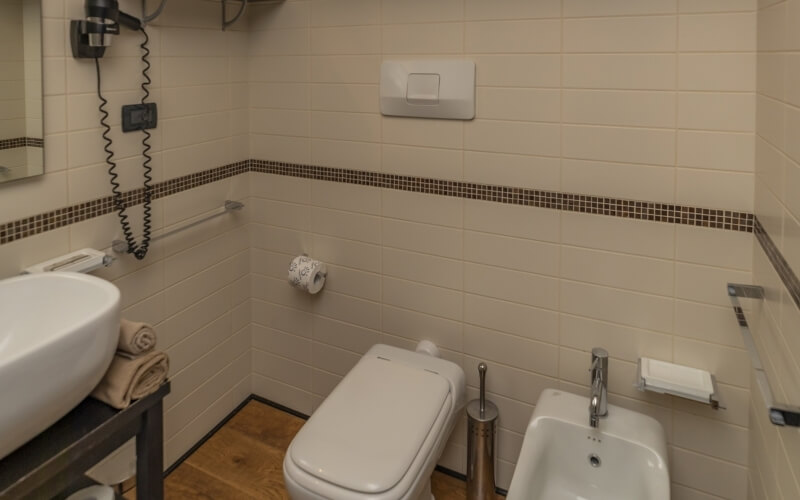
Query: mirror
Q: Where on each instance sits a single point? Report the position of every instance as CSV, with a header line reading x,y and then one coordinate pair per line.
x,y
21,144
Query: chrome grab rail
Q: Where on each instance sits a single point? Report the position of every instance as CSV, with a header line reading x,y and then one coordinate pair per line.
x,y
120,246
779,413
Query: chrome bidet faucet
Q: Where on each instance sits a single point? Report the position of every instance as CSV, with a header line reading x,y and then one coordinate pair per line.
x,y
598,399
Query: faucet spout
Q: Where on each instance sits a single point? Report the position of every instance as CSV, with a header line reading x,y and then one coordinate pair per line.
x,y
598,400
594,417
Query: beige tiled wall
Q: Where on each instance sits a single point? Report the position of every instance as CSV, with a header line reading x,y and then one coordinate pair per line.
x,y
775,451
649,100
646,100
194,286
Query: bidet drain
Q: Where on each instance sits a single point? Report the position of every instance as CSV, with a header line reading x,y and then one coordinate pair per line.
x,y
594,460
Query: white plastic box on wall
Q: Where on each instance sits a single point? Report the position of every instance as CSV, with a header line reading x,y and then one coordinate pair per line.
x,y
428,89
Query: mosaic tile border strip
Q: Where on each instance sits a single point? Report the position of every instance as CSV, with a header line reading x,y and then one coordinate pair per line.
x,y
782,267
21,142
40,223
614,207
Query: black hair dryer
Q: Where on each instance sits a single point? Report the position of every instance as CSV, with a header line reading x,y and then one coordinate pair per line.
x,y
89,37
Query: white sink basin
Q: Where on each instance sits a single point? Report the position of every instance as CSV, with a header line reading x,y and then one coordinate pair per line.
x,y
563,458
57,338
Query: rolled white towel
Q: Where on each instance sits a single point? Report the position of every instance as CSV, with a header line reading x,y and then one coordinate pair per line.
x,y
135,337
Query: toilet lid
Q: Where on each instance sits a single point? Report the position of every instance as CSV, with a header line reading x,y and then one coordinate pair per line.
x,y
366,434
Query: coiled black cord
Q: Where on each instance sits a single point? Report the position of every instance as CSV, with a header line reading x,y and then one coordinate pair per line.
x,y
148,170
138,250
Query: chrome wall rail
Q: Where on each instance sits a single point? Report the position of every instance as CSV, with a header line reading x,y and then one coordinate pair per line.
x,y
779,413
119,246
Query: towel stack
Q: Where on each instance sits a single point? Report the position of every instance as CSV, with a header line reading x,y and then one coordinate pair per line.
x,y
137,368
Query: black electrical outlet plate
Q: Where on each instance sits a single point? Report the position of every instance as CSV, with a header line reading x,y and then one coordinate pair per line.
x,y
139,116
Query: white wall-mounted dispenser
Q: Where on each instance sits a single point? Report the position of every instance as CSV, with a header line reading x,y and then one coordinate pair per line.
x,y
428,89
85,260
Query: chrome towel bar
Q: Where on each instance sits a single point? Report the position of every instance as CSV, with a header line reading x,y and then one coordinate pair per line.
x,y
779,413
120,246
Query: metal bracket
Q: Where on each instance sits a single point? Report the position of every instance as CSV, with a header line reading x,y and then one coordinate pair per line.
x,y
779,413
226,22
146,18
244,3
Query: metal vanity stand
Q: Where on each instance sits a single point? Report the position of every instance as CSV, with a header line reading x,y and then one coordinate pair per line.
x,y
54,462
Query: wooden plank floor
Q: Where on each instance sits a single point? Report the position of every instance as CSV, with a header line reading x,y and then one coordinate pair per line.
x,y
244,460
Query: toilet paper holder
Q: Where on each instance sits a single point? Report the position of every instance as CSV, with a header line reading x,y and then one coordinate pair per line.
x,y
307,274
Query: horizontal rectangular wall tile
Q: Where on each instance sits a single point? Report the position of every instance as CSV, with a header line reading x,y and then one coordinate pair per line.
x,y
629,308
346,154
510,169
620,34
512,137
517,352
516,319
716,111
622,342
423,268
619,71
716,150
511,253
435,240
417,326
717,72
512,9
617,270
618,180
433,38
717,32
587,8
513,36
539,105
625,108
632,145
517,70
428,299
422,161
511,285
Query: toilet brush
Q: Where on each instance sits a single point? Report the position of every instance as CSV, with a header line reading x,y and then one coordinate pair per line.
x,y
482,428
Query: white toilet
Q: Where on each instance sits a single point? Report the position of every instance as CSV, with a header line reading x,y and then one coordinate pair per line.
x,y
378,435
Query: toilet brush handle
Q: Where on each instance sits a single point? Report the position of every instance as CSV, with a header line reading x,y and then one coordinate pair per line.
x,y
482,373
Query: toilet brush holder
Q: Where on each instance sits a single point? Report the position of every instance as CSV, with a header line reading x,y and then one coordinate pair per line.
x,y
481,432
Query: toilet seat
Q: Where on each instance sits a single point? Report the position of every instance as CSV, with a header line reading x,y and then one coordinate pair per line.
x,y
381,430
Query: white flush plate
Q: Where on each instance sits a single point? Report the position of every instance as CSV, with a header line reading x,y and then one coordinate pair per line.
x,y
428,89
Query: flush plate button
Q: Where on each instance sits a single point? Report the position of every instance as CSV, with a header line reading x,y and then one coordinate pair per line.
x,y
423,88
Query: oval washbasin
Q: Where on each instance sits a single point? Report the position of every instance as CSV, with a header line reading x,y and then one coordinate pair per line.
x,y
563,458
57,338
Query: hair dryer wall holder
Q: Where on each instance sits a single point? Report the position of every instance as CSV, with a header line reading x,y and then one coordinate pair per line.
x,y
79,31
89,37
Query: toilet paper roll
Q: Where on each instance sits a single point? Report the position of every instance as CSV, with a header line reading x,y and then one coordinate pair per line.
x,y
307,274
